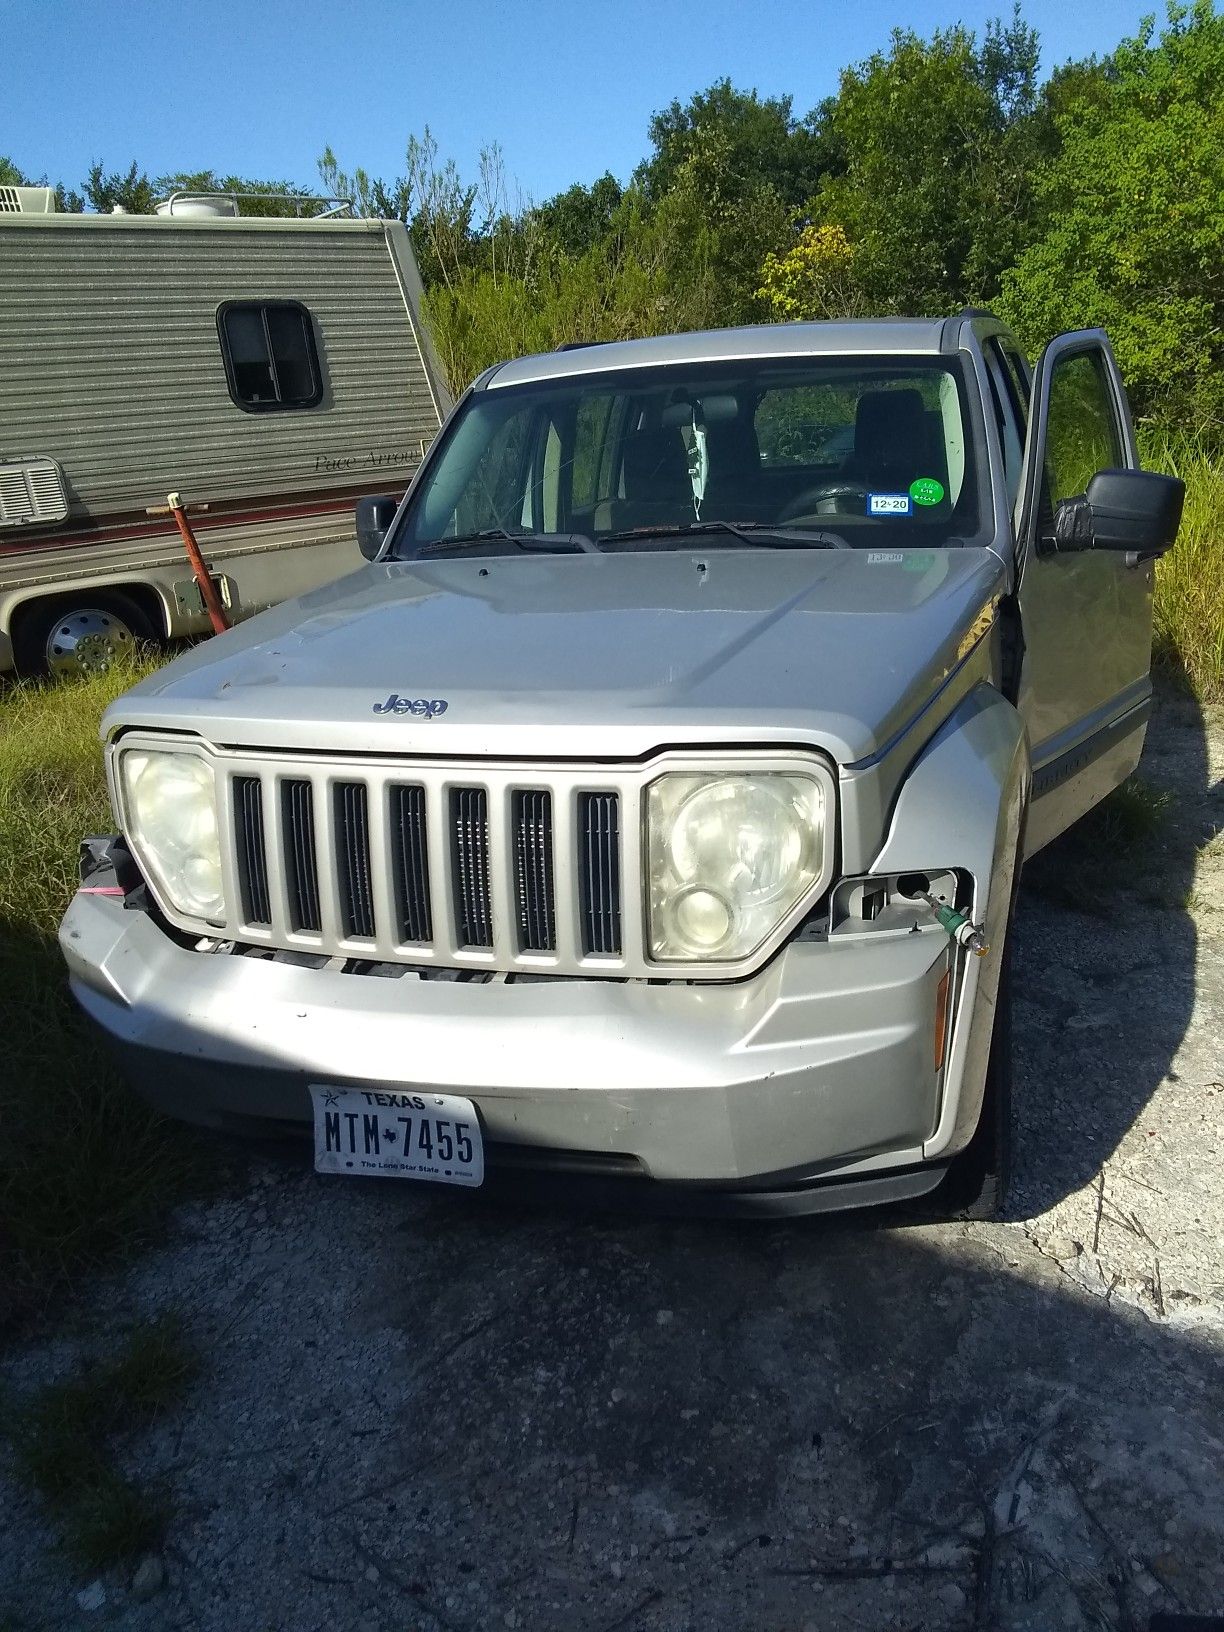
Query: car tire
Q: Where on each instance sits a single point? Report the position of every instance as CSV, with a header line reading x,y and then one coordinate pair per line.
x,y
975,1185
99,627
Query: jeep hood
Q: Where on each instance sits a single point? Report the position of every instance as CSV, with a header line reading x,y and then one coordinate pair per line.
x,y
581,656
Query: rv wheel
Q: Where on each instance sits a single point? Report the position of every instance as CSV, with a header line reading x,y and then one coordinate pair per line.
x,y
79,636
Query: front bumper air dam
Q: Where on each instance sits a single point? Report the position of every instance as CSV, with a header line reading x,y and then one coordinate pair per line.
x,y
814,1073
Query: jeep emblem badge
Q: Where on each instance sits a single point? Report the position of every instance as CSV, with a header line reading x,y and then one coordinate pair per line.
x,y
421,708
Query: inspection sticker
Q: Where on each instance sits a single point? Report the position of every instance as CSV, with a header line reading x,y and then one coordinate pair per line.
x,y
889,504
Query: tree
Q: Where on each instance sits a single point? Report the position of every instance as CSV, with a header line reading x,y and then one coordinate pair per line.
x,y
1134,209
937,139
815,279
430,197
757,138
371,196
728,174
581,217
129,190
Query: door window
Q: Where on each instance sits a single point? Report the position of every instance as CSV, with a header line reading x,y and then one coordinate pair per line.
x,y
1011,435
1082,432
1018,376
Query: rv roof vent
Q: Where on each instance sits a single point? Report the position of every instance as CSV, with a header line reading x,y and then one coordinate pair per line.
x,y
31,490
27,200
197,204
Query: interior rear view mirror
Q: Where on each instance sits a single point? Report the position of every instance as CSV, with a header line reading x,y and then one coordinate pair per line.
x,y
374,518
1134,510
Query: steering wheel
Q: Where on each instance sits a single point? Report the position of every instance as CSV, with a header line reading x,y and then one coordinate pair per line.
x,y
837,497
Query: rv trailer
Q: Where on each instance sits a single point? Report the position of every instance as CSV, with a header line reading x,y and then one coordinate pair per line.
x,y
268,370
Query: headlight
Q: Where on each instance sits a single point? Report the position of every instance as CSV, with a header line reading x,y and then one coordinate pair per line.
x,y
170,801
728,858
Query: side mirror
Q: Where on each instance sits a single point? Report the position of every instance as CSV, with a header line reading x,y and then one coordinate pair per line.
x,y
1134,510
374,518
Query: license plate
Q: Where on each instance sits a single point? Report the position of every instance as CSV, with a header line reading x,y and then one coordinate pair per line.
x,y
389,1134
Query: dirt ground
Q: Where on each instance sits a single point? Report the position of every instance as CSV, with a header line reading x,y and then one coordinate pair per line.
x,y
420,1411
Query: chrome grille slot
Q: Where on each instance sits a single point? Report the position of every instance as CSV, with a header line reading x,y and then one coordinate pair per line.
x,y
352,838
535,898
469,813
252,850
410,865
301,860
599,873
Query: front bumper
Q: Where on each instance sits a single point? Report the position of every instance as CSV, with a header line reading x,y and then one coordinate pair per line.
x,y
815,1076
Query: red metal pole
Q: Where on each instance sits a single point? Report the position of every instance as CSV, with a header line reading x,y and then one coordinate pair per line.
x,y
212,601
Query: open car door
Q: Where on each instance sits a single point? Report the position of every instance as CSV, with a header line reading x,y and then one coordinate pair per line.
x,y
1088,528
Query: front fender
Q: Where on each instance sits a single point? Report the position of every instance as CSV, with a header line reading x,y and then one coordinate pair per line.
x,y
962,806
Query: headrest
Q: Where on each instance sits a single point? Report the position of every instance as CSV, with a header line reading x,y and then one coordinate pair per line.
x,y
889,426
656,466
733,445
714,408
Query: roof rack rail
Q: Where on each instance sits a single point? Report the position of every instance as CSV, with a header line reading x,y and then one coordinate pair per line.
x,y
190,202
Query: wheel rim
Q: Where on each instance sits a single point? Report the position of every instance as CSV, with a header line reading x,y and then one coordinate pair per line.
x,y
87,641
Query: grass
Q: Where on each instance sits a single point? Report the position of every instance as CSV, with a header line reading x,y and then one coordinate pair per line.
x,y
1125,825
1117,846
87,1169
1189,596
63,1438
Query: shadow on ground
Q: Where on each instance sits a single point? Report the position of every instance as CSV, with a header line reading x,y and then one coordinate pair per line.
x,y
424,1412
1107,957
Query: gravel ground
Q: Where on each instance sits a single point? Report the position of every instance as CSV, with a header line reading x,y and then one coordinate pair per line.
x,y
420,1411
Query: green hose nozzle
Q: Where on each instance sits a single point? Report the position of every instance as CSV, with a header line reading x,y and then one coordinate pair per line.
x,y
958,926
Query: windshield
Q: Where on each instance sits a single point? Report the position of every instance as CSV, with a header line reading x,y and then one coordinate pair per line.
x,y
870,452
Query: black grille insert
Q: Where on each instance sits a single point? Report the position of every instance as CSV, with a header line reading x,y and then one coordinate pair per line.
x,y
533,870
252,852
411,864
469,808
301,858
353,858
599,872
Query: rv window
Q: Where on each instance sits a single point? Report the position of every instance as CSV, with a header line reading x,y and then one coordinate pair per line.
x,y
270,357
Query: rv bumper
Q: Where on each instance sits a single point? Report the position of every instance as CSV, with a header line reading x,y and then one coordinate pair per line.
x,y
818,1071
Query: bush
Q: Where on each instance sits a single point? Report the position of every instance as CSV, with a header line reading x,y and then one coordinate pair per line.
x,y
1189,596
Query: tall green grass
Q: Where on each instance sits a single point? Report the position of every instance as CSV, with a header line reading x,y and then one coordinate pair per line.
x,y
84,1168
1189,598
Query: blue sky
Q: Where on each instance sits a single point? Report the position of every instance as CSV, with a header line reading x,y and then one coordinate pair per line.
x,y
259,86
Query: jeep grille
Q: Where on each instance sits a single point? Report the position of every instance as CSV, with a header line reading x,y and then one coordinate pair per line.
x,y
377,867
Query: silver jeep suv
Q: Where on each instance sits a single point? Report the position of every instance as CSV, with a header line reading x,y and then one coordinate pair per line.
x,y
648,811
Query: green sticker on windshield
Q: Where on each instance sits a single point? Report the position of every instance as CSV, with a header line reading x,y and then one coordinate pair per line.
x,y
926,490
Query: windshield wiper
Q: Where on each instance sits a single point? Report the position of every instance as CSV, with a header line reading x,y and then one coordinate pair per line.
x,y
539,543
768,534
